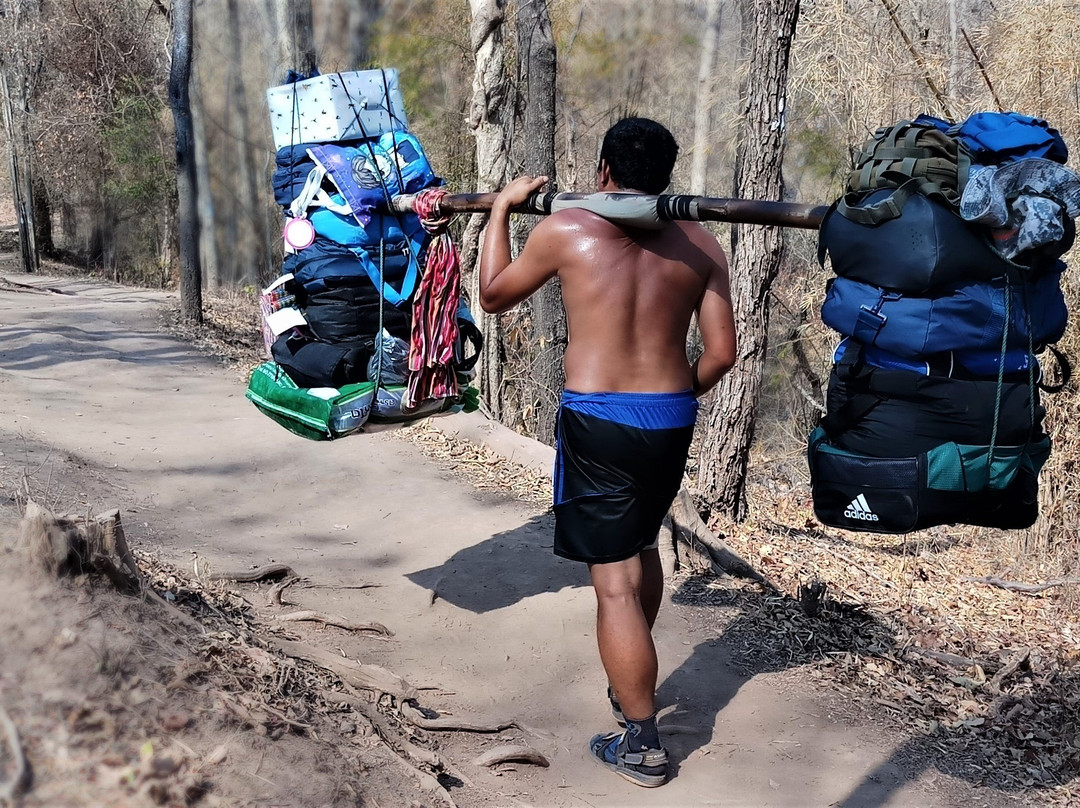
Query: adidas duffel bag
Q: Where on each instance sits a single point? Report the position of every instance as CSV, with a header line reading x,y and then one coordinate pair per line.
x,y
950,484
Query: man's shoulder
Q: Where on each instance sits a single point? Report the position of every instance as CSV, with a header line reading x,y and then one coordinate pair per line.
x,y
576,219
703,239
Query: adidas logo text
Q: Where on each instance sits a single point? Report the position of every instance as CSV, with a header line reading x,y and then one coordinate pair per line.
x,y
859,509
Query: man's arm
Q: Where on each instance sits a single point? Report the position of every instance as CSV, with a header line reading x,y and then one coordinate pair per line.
x,y
717,324
505,283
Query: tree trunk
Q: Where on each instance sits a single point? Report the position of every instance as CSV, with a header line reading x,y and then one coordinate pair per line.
x,y
209,259
757,253
255,263
43,233
363,14
186,179
489,121
535,155
703,109
300,36
15,98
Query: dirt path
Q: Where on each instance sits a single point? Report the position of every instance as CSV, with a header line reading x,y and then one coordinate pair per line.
x,y
167,436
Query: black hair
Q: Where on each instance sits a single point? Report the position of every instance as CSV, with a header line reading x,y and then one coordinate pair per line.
x,y
640,154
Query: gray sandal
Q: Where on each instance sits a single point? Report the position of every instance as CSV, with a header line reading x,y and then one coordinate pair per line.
x,y
646,768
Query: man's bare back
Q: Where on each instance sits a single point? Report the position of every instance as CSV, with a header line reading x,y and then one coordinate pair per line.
x,y
629,295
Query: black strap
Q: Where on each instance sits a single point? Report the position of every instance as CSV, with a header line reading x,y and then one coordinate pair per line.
x,y
1064,369
855,373
881,211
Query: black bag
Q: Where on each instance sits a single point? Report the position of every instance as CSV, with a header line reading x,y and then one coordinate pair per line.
x,y
351,312
928,246
311,363
899,451
900,413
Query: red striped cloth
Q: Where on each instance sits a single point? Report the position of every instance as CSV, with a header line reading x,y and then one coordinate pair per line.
x,y
434,324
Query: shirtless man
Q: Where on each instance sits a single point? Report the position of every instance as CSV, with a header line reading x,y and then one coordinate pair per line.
x,y
627,415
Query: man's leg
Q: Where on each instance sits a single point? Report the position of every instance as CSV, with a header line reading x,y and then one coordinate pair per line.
x,y
623,632
652,585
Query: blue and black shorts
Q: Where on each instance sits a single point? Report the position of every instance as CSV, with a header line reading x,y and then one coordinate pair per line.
x,y
619,463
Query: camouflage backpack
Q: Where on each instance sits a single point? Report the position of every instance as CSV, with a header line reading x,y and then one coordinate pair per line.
x,y
912,158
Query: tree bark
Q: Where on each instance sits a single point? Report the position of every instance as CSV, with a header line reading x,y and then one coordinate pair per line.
x,y
186,179
703,109
489,122
300,36
756,255
535,155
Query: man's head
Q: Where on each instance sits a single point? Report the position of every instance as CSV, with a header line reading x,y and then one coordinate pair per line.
x,y
637,154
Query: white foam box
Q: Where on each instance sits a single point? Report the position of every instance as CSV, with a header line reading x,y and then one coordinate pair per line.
x,y
336,106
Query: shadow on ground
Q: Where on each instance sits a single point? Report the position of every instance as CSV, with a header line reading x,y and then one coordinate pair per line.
x,y
503,570
770,632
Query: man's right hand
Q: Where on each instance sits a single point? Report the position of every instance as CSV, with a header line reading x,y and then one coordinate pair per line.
x,y
518,191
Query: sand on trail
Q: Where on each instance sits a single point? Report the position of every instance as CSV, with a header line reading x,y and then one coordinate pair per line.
x,y
167,436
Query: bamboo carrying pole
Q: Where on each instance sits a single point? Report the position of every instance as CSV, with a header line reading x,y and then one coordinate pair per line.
x,y
641,210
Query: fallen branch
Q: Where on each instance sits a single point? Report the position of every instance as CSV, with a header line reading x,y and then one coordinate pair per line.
x,y
364,677
20,777
270,572
417,718
511,753
954,660
1016,661
685,518
335,620
273,597
1022,588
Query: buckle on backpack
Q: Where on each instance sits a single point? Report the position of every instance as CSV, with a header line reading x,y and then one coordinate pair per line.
x,y
867,325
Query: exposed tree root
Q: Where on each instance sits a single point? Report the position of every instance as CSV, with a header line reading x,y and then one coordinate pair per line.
x,y
415,754
689,528
335,620
356,674
442,723
20,776
271,572
511,752
668,547
273,597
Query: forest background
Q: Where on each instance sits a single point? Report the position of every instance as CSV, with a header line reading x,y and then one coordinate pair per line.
x,y
87,119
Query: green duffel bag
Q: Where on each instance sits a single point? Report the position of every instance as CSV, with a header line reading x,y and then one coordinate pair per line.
x,y
319,413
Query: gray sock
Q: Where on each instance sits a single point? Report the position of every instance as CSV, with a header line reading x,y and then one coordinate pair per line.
x,y
642,734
